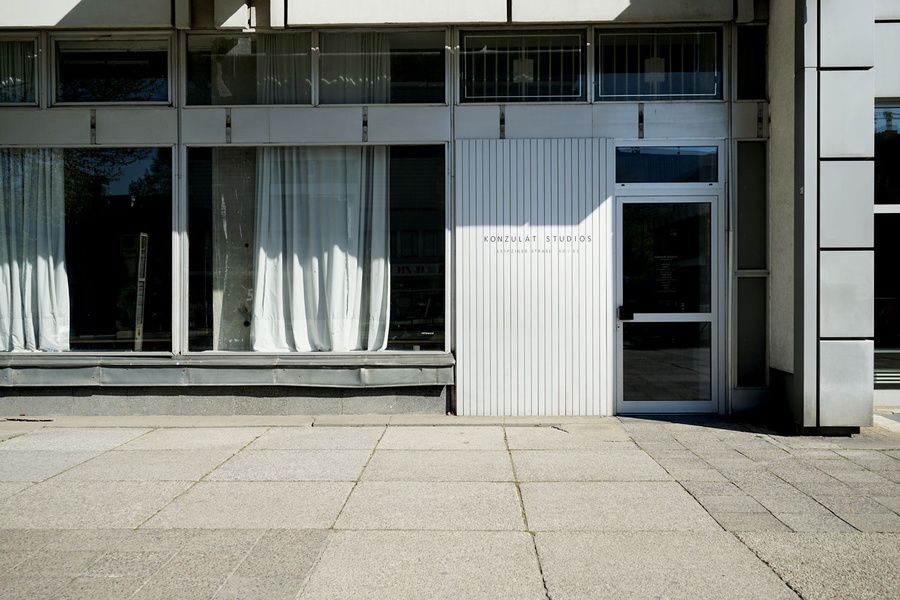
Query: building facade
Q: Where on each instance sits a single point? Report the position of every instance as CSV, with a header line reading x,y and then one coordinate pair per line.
x,y
496,208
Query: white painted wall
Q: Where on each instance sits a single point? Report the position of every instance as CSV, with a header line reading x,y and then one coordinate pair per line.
x,y
87,13
622,10
366,12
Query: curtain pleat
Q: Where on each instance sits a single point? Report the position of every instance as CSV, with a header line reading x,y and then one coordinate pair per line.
x,y
34,288
17,71
322,269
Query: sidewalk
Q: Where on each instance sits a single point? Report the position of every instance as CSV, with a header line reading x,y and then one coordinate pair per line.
x,y
444,507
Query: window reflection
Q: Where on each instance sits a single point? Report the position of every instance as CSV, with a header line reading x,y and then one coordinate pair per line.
x,y
658,65
535,66
666,361
666,257
86,258
112,70
887,155
667,164
317,249
17,71
249,69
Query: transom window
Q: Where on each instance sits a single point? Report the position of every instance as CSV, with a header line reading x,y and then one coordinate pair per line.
x,y
658,65
112,70
534,66
353,68
18,65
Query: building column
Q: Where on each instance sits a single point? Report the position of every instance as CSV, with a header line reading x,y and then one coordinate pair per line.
x,y
834,259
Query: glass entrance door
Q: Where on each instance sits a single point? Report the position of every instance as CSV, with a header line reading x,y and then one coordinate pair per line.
x,y
667,261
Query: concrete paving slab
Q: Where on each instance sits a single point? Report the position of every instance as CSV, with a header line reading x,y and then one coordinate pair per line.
x,y
470,506
94,588
239,587
813,522
823,566
38,465
891,502
731,503
255,505
138,564
611,506
9,559
709,475
791,503
148,465
439,465
567,438
744,521
14,587
587,465
293,465
851,505
443,438
711,488
207,438
24,540
72,440
284,553
215,564
57,563
874,522
427,564
318,438
178,589
621,565
87,504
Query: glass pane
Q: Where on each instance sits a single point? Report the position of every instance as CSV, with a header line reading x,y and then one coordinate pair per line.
x,y
249,69
666,361
382,68
316,249
17,71
887,155
751,62
752,218
534,67
112,71
751,331
113,198
658,65
667,164
887,293
666,257
98,225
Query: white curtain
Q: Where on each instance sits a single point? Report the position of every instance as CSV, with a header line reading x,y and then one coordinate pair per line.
x,y
322,272
356,68
281,69
17,71
34,289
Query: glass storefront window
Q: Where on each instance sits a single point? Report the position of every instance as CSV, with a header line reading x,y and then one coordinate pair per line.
x,y
536,66
382,68
18,63
658,65
316,249
86,256
249,69
111,70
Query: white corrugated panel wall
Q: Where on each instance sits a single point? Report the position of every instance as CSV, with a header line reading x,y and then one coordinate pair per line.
x,y
531,276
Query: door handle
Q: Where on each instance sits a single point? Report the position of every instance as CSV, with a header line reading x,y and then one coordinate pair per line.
x,y
625,314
